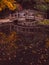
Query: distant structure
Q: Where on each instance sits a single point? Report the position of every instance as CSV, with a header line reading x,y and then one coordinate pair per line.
x,y
22,21
27,15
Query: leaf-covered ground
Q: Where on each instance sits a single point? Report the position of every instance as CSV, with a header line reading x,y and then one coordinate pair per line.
x,y
24,50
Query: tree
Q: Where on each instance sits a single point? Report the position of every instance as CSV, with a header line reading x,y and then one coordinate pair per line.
x,y
7,4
